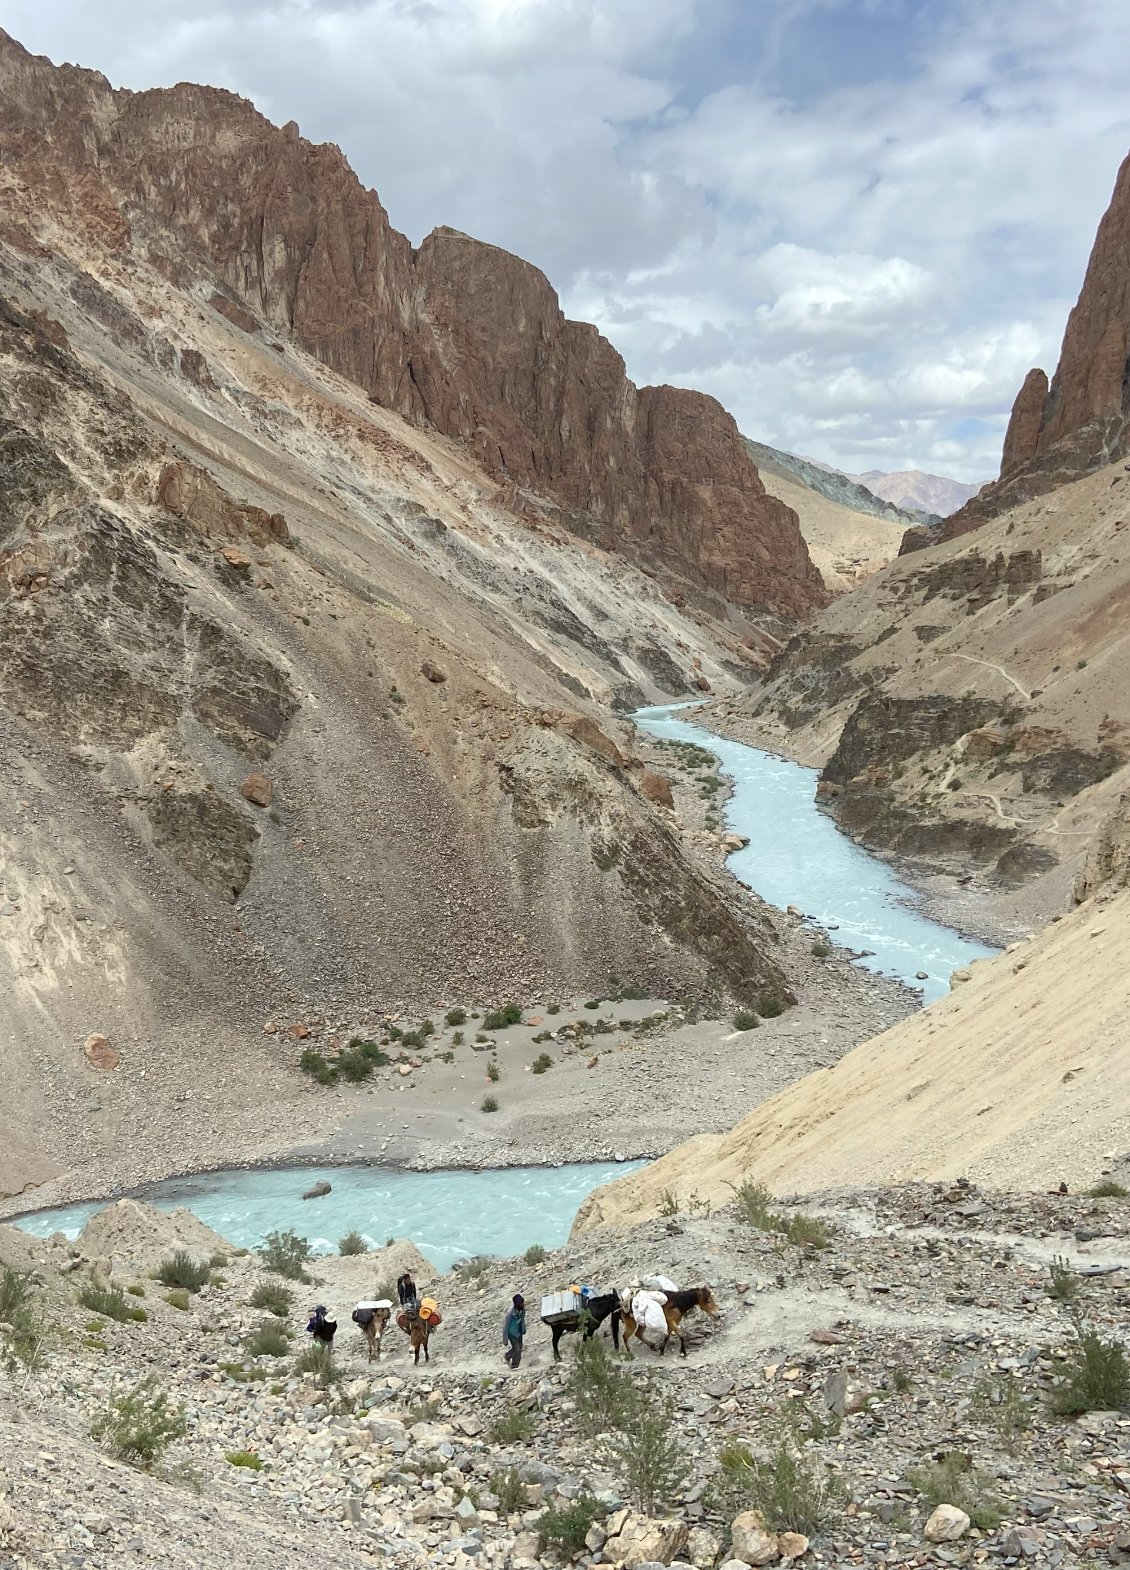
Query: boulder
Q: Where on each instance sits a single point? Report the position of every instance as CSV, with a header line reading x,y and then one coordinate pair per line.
x,y
641,1539
703,1548
432,672
320,1188
655,788
100,1052
752,1540
793,1545
258,790
946,1525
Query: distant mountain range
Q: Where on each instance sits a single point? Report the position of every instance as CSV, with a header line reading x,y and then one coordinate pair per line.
x,y
915,491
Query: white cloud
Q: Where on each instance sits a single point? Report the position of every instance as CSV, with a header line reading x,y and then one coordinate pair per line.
x,y
856,222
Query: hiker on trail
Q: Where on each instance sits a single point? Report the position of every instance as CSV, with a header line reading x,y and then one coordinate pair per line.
x,y
406,1288
514,1331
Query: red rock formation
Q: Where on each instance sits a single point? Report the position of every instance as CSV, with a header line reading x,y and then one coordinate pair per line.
x,y
1082,421
459,334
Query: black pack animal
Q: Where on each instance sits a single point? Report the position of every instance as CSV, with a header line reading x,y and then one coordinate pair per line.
x,y
592,1316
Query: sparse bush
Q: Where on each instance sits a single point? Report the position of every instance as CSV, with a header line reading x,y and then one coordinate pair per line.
x,y
901,1382
319,1068
1108,1189
286,1254
510,1490
1063,1283
472,1270
1002,1404
140,1424
542,1062
111,1303
179,1269
668,1202
543,1035
754,1206
20,1342
954,1480
498,1019
795,1492
535,1254
637,1424
1097,1378
494,1073
820,949
246,1458
317,1360
489,1104
270,1338
565,1527
513,1428
355,1064
217,1261
179,1297
769,1008
746,1019
455,1017
457,1039
593,1003
353,1243
553,1008
276,1299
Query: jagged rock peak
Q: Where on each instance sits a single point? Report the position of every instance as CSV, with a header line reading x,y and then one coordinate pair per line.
x,y
459,334
1081,421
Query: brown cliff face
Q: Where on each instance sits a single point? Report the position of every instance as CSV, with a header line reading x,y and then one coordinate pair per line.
x,y
1082,421
459,334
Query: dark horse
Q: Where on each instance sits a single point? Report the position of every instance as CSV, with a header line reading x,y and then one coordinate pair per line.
x,y
676,1308
590,1318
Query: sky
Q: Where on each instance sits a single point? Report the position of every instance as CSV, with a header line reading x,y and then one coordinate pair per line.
x,y
857,223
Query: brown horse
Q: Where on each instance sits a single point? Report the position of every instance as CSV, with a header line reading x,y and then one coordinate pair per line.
x,y
675,1310
417,1330
374,1334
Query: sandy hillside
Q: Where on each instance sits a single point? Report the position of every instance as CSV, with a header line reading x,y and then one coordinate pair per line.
x,y
846,545
1016,1080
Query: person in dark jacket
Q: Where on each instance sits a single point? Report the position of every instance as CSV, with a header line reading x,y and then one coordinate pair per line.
x,y
406,1289
321,1328
514,1331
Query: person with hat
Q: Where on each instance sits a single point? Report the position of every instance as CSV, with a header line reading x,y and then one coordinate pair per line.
x,y
514,1330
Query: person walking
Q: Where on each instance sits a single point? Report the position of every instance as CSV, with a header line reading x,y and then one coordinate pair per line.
x,y
514,1331
406,1289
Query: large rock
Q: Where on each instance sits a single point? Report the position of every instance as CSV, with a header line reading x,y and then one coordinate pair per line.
x,y
946,1525
637,1539
142,1235
752,1539
458,334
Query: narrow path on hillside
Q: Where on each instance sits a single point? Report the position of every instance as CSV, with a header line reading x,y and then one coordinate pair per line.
x,y
1027,696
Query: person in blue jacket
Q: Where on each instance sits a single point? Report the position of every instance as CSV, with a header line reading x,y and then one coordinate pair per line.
x,y
514,1330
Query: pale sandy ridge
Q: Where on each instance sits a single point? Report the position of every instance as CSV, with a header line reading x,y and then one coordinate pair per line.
x,y
1018,1079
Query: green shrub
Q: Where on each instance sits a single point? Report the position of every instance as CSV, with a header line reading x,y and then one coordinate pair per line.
x,y
111,1303
1001,1404
754,1207
746,1019
217,1261
820,949
498,1019
21,1341
535,1254
1063,1283
1108,1189
318,1361
489,1104
473,1270
455,1017
136,1290
1097,1377
542,1062
564,1527
179,1269
140,1424
769,1008
179,1297
286,1254
494,1073
637,1424
270,1338
272,1296
353,1243
553,1008
954,1480
795,1492
318,1067
457,1039
510,1490
246,1458
668,1203
513,1428
594,1003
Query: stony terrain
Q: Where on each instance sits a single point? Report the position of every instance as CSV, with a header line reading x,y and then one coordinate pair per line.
x,y
925,1328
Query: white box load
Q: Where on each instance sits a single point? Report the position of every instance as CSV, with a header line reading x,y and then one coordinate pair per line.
x,y
558,1306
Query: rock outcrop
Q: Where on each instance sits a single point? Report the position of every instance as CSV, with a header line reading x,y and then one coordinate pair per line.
x,y
1082,420
458,334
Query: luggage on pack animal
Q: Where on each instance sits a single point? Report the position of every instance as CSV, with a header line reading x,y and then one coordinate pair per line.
x,y
658,1283
429,1312
559,1307
364,1313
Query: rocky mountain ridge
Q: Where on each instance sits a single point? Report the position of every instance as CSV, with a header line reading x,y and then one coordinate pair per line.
x,y
1080,421
935,496
457,335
